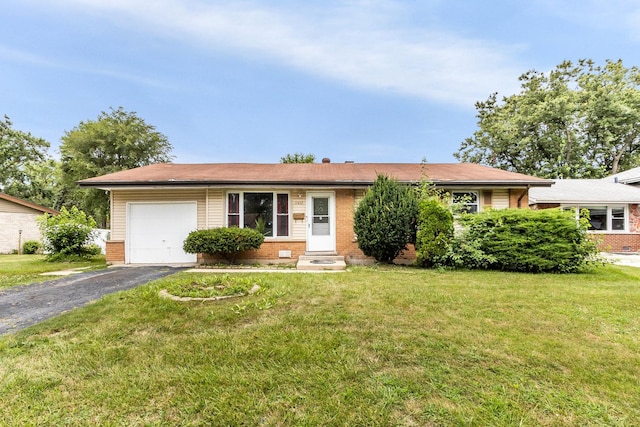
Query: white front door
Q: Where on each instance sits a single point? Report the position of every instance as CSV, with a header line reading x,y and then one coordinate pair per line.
x,y
321,222
156,232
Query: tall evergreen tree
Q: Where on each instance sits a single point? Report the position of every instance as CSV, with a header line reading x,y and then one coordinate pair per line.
x,y
385,220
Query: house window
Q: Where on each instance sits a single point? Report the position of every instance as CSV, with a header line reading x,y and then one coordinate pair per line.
x,y
617,219
233,217
282,216
606,218
467,200
265,212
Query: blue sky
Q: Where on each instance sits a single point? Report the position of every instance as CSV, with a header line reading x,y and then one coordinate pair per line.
x,y
250,80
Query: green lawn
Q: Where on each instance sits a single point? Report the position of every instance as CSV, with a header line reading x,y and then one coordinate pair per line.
x,y
371,347
21,269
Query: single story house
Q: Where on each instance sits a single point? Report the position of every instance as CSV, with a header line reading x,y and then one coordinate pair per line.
x,y
304,208
18,222
614,208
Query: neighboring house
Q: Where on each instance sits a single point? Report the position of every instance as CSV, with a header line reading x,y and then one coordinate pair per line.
x,y
18,222
614,207
306,208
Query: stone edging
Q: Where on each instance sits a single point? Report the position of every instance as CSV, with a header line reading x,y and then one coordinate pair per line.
x,y
165,294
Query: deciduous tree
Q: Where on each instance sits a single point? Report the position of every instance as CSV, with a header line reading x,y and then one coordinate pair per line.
x,y
23,158
577,121
298,158
117,140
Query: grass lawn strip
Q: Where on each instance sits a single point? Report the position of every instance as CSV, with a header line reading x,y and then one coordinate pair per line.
x,y
373,347
24,269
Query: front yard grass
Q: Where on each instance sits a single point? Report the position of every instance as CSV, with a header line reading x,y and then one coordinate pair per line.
x,y
371,347
22,269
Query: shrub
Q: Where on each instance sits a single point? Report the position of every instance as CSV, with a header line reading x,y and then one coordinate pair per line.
x,y
68,234
31,247
385,220
523,240
435,231
227,242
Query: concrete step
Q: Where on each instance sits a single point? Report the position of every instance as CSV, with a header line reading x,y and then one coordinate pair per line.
x,y
321,262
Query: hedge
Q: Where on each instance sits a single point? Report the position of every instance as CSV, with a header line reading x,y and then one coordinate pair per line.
x,y
549,240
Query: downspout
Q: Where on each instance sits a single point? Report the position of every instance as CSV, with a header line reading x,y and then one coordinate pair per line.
x,y
524,193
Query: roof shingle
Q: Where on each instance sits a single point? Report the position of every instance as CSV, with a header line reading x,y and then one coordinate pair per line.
x,y
339,174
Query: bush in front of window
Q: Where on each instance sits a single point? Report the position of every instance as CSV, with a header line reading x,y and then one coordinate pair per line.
x,y
385,220
435,231
228,242
536,241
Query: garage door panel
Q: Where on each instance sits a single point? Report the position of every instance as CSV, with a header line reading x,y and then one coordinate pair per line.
x,y
157,232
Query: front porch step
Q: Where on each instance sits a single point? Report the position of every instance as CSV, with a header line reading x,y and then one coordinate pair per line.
x,y
321,262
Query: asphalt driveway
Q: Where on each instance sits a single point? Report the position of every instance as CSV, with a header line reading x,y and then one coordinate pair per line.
x,y
22,306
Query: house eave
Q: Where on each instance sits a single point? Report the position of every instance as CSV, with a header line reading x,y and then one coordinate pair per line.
x,y
173,184
566,202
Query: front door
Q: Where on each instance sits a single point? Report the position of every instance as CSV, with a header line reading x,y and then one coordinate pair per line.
x,y
321,224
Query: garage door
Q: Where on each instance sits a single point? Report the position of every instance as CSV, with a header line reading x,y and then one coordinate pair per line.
x,y
156,232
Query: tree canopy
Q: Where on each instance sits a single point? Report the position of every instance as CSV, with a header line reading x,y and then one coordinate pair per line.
x,y
298,158
116,141
25,164
576,121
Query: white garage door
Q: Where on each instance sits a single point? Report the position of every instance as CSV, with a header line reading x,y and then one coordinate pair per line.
x,y
156,232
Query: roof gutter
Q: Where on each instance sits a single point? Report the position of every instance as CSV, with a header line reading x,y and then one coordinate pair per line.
x,y
175,183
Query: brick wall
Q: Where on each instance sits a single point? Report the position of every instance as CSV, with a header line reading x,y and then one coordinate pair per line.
x,y
268,252
115,251
634,218
516,194
346,242
617,242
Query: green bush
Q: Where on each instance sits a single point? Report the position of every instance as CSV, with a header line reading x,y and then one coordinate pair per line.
x,y
385,220
31,247
68,234
549,240
227,242
435,231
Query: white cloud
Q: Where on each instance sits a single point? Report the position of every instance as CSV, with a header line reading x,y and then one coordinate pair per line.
x,y
15,55
21,56
361,43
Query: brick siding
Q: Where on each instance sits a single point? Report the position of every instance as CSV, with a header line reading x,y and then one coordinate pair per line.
x,y
114,251
617,242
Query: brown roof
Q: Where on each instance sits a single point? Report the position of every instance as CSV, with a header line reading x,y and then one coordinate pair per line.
x,y
314,174
27,204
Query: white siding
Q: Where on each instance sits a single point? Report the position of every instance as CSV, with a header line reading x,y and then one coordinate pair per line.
x,y
500,199
216,209
299,206
7,206
121,197
10,224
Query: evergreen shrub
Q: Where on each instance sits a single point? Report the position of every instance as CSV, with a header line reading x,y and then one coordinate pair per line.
x,y
549,240
385,220
227,242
